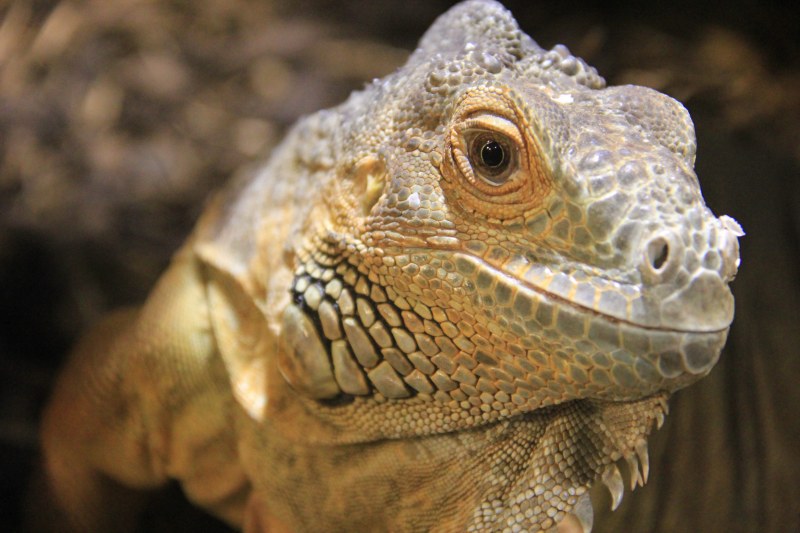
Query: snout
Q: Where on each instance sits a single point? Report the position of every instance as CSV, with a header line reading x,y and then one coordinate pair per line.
x,y
686,272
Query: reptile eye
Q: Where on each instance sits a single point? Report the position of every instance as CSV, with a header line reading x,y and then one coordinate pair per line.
x,y
492,157
492,154
494,161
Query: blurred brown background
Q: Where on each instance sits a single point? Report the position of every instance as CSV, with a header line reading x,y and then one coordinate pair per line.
x,y
118,117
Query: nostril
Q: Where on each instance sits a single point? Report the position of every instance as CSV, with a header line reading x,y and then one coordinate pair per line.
x,y
658,253
662,255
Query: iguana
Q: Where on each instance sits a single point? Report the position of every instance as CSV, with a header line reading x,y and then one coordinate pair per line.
x,y
452,303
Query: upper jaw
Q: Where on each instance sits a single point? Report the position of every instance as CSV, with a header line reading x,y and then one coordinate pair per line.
x,y
704,305
672,278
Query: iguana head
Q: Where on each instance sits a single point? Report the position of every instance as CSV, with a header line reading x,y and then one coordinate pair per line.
x,y
500,237
512,234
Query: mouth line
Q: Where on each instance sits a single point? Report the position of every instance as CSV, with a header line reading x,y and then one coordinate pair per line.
x,y
589,311
607,317
559,299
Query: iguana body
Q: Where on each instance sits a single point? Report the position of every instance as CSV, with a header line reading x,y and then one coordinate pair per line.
x,y
451,303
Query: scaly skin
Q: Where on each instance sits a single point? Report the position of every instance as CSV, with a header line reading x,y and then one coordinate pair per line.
x,y
451,303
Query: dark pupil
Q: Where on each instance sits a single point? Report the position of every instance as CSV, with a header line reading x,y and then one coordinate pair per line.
x,y
492,154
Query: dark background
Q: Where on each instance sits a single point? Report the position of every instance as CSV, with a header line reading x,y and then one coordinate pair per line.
x,y
117,118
